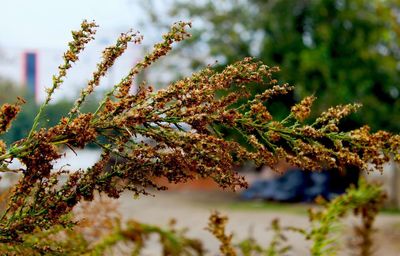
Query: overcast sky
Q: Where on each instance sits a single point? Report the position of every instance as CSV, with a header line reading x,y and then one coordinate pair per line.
x,y
47,23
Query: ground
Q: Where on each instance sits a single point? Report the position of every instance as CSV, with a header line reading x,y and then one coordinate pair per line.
x,y
192,208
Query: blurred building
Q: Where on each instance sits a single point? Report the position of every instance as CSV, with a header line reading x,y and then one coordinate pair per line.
x,y
35,67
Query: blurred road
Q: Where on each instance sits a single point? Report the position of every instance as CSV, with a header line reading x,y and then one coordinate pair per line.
x,y
191,209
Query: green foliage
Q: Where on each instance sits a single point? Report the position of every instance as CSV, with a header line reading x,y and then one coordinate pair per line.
x,y
58,241
365,198
277,246
342,51
173,242
12,91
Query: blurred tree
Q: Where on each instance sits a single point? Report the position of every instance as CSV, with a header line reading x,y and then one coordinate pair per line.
x,y
10,91
340,50
22,125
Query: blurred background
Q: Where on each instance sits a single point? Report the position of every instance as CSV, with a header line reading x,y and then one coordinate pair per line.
x,y
341,51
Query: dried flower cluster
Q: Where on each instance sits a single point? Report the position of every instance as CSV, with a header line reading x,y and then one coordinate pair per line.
x,y
172,133
216,226
7,113
80,39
